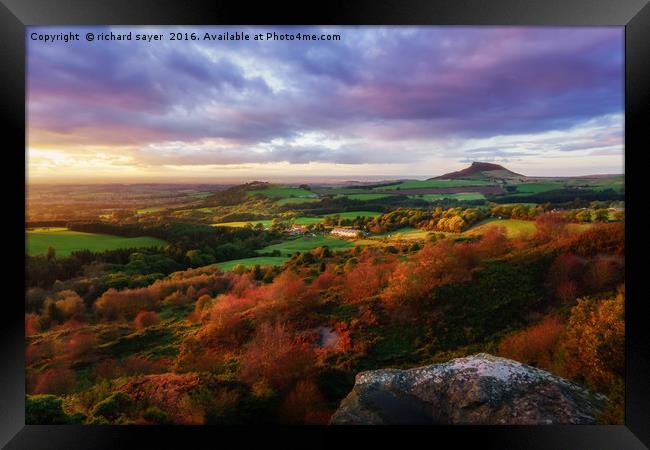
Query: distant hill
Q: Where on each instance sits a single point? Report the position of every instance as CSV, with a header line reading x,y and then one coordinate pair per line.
x,y
482,171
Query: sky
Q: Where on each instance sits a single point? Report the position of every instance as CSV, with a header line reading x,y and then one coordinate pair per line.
x,y
381,102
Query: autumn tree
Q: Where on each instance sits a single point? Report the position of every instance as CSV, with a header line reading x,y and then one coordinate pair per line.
x,y
145,319
551,226
595,341
537,345
276,357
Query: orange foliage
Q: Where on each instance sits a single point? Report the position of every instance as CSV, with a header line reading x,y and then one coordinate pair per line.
x,y
81,343
32,324
275,356
57,380
40,351
145,319
69,304
551,226
602,273
494,242
536,345
111,368
595,341
366,279
128,302
435,265
564,275
326,280
225,326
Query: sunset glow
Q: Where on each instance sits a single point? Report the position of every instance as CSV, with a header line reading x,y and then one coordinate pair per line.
x,y
382,101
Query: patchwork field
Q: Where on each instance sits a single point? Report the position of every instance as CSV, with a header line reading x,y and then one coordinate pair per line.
x,y
306,243
296,201
536,188
467,196
281,192
355,214
365,197
250,262
419,184
65,241
514,227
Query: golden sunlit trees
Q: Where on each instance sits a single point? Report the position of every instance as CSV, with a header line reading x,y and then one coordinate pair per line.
x,y
595,341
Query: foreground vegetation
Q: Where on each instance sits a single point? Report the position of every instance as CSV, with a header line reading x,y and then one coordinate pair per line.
x,y
237,305
263,344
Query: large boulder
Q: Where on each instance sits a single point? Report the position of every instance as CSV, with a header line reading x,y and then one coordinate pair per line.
x,y
478,389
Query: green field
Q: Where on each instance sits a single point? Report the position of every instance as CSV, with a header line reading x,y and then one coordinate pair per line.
x,y
355,214
406,233
65,241
536,188
281,192
365,197
460,196
306,243
514,227
418,184
266,223
250,262
296,201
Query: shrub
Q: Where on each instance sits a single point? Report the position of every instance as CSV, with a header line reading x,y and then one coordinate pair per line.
x,y
145,319
81,343
595,341
57,380
537,345
275,356
113,406
156,416
551,226
48,410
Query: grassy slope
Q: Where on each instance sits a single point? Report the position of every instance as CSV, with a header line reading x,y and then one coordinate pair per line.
x,y
416,184
65,241
250,262
281,192
365,197
355,214
513,227
306,243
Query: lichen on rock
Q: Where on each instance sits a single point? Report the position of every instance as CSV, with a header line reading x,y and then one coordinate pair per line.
x,y
478,389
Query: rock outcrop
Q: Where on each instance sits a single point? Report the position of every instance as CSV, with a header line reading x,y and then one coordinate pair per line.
x,y
479,389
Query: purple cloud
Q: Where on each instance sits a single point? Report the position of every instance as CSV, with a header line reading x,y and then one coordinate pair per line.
x,y
376,84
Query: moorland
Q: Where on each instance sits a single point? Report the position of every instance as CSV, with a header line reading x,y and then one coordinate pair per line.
x,y
260,302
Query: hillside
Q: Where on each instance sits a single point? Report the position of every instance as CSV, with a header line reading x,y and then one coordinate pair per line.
x,y
481,170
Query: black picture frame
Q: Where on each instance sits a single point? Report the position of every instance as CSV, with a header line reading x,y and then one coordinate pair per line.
x,y
634,15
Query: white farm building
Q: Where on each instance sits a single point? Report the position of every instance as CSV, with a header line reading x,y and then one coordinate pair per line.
x,y
345,232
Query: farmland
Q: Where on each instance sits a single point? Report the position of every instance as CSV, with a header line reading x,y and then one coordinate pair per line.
x,y
466,196
250,262
307,243
281,192
434,183
426,277
65,241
